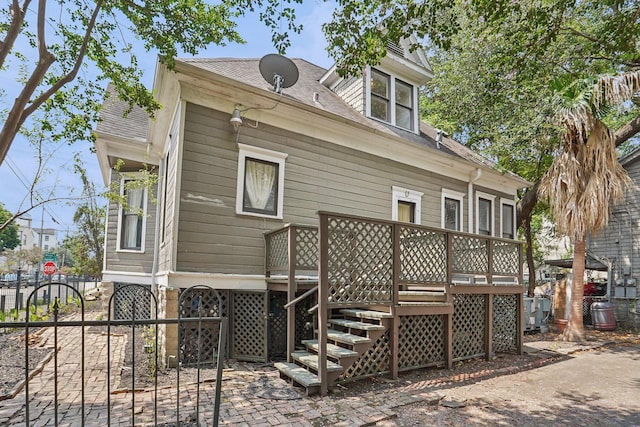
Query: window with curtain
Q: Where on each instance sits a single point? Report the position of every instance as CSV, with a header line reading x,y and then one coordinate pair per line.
x,y
406,205
260,182
260,186
131,227
406,211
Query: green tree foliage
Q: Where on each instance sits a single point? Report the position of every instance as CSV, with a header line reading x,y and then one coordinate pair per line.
x,y
9,238
46,48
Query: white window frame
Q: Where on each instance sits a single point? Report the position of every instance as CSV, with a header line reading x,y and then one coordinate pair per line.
x,y
251,152
455,195
392,99
491,198
400,194
511,203
132,177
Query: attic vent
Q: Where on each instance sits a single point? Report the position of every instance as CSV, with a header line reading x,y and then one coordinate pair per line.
x,y
395,48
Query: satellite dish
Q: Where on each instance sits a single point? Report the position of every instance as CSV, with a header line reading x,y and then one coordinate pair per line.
x,y
279,70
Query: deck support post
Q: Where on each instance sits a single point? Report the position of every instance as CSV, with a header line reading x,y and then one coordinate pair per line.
x,y
488,327
291,293
323,304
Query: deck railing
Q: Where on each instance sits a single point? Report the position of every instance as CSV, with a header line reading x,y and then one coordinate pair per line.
x,y
366,261
291,248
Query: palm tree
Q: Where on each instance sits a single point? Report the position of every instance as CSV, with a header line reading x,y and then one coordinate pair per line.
x,y
586,178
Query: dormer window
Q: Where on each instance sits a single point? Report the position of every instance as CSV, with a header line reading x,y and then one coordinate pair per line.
x,y
392,100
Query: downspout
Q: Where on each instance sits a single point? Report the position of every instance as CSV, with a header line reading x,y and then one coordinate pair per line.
x,y
156,234
472,180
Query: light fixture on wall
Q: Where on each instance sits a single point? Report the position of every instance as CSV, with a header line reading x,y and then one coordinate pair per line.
x,y
236,119
275,69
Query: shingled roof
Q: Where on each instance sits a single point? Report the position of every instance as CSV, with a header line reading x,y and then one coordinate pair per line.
x,y
308,90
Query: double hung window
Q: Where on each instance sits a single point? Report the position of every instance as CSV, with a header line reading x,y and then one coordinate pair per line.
x,y
392,100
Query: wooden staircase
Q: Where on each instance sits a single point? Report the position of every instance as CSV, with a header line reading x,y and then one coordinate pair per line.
x,y
348,337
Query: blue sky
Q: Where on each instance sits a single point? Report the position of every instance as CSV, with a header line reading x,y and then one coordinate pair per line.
x,y
18,169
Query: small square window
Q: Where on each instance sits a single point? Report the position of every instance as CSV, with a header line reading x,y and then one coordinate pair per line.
x,y
260,182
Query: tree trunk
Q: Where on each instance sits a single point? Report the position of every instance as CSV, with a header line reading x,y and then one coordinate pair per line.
x,y
575,327
529,254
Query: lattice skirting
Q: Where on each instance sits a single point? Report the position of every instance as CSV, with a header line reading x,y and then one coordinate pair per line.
x,y
505,323
373,362
421,342
132,301
249,326
468,326
194,303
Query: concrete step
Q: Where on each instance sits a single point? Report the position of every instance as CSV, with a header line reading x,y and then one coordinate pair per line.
x,y
298,375
311,360
419,296
352,324
334,351
346,338
365,314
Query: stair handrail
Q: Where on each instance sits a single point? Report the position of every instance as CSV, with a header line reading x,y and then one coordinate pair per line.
x,y
301,297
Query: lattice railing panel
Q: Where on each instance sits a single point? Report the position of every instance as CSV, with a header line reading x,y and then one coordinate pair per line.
x,y
307,249
277,325
360,261
278,251
194,303
132,302
423,256
505,322
374,361
506,258
420,341
470,255
248,330
468,325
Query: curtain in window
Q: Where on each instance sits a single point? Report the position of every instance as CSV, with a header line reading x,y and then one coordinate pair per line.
x,y
134,200
260,178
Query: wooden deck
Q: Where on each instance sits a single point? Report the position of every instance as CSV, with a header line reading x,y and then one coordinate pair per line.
x,y
461,291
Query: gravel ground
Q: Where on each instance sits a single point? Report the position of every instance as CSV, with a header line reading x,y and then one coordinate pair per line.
x,y
12,359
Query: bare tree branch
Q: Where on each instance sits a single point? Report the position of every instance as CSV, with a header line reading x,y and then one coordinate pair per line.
x,y
17,20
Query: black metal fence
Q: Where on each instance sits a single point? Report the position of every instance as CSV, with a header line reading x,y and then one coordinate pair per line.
x,y
83,340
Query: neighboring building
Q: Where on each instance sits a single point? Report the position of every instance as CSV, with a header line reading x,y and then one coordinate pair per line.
x,y
617,245
237,159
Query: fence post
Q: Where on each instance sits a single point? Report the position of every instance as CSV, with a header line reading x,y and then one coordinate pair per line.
x,y
3,300
19,273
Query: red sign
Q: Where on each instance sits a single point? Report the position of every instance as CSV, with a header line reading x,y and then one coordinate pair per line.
x,y
50,268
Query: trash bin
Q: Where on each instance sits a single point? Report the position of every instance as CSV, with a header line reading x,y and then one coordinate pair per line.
x,y
603,316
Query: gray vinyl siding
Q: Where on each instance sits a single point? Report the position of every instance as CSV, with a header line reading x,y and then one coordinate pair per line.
x,y
130,262
351,90
171,165
621,238
318,176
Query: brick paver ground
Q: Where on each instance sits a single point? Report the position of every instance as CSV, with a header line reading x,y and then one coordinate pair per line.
x,y
250,397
